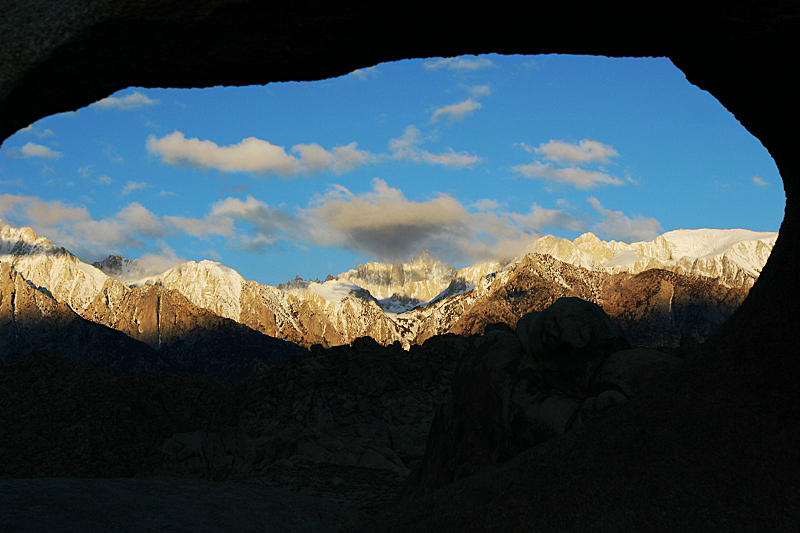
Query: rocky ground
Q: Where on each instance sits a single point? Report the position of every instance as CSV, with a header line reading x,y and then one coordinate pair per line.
x,y
360,426
345,424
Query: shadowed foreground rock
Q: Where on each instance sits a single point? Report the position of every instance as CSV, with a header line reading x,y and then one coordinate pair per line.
x,y
512,392
712,448
161,504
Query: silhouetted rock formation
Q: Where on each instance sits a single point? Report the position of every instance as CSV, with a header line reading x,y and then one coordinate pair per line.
x,y
713,447
512,392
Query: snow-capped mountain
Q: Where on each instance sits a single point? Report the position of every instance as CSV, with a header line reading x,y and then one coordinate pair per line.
x,y
405,302
732,257
67,278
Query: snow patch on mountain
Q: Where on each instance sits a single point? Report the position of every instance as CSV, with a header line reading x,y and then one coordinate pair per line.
x,y
334,291
206,284
734,257
50,267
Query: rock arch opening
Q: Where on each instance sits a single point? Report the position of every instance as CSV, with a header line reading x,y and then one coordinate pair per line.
x,y
477,159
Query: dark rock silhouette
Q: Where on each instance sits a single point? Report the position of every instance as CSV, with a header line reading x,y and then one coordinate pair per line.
x,y
713,447
512,392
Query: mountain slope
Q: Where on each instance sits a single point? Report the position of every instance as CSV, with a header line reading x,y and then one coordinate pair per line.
x,y
31,319
408,302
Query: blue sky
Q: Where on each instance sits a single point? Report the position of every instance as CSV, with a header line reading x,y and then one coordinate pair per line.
x,y
470,157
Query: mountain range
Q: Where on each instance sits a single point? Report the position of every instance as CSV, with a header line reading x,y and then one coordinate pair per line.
x,y
203,317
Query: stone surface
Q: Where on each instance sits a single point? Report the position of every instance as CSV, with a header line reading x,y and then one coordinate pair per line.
x,y
573,337
633,371
65,505
506,400
715,450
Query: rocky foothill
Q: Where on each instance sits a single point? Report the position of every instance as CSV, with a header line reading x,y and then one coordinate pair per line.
x,y
354,424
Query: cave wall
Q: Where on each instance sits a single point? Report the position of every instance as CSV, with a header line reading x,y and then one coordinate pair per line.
x,y
59,56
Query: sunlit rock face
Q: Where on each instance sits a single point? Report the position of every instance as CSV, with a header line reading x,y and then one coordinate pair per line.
x,y
688,283
67,278
31,319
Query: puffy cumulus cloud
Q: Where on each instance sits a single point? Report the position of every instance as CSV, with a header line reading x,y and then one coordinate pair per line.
x,y
133,226
256,156
450,158
407,147
340,159
585,151
457,111
31,149
269,224
577,177
140,220
135,100
459,63
132,186
486,204
155,263
540,217
32,210
386,225
476,91
618,226
249,155
760,182
314,155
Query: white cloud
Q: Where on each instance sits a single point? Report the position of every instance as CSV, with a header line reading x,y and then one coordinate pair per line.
x,y
577,177
407,147
486,204
141,220
36,131
132,186
133,226
38,150
270,224
457,111
249,155
476,91
525,146
383,222
450,158
85,171
584,152
134,100
341,159
459,63
257,156
105,180
386,225
760,182
618,226
154,264
202,227
539,218
364,73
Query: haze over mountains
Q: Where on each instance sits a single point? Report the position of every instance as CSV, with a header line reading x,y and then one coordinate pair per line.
x,y
206,318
